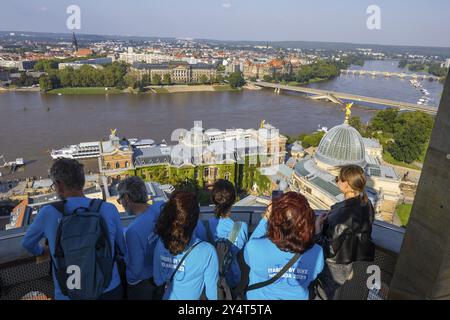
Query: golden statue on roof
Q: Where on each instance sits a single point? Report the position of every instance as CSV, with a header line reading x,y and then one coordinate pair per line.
x,y
348,111
113,131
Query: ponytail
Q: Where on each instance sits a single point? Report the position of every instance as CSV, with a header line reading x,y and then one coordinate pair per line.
x,y
223,196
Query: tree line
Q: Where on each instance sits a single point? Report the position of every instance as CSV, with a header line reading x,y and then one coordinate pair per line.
x,y
405,135
111,75
432,68
118,75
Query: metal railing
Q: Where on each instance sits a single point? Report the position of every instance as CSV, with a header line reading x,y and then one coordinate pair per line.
x,y
21,277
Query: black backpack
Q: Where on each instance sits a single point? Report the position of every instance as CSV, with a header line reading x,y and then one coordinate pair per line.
x,y
83,252
223,248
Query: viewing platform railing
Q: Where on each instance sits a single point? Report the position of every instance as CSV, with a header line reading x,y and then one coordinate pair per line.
x,y
21,277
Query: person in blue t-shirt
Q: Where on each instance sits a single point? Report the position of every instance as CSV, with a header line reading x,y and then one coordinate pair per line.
x,y
68,182
138,236
175,229
223,195
287,229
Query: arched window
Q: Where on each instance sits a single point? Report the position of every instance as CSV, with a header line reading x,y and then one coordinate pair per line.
x,y
227,176
117,165
127,164
108,166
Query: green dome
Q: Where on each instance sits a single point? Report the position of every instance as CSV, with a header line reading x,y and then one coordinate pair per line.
x,y
342,145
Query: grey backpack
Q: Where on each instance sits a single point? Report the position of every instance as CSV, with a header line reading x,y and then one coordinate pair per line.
x,y
83,252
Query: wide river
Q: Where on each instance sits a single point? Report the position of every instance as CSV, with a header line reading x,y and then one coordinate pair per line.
x,y
31,123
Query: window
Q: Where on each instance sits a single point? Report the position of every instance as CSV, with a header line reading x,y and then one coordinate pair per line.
x,y
108,166
227,176
117,165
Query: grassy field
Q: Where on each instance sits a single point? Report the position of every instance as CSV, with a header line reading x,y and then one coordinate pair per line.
x,y
390,159
93,90
403,212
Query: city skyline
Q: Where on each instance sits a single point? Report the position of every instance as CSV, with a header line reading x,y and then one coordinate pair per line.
x,y
242,21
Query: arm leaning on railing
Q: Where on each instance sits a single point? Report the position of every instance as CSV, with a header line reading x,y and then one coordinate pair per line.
x,y
34,235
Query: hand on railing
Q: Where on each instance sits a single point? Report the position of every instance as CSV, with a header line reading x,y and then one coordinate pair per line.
x,y
319,222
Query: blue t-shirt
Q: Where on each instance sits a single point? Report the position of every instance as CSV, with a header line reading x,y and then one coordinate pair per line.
x,y
200,270
138,237
266,260
46,223
220,229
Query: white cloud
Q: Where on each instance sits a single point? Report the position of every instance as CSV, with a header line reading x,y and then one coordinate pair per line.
x,y
226,5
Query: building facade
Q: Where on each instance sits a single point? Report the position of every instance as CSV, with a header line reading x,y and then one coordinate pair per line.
x,y
179,72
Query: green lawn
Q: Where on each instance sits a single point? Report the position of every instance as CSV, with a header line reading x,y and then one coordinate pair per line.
x,y
403,212
390,159
93,90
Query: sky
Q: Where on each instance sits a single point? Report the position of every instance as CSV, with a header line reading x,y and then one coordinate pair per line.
x,y
403,22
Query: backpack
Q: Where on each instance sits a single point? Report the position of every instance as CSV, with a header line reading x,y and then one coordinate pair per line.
x,y
83,252
223,247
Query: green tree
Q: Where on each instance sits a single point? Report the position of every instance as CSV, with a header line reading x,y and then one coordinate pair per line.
x,y
385,121
66,76
312,140
203,79
410,131
156,79
267,78
219,79
355,122
236,80
132,79
166,80
48,82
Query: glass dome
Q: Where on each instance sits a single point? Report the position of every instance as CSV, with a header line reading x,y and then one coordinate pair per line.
x,y
342,145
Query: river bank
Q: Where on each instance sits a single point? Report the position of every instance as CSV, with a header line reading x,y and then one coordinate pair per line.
x,y
147,90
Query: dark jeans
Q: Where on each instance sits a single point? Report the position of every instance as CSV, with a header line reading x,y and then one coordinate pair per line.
x,y
142,291
333,278
114,294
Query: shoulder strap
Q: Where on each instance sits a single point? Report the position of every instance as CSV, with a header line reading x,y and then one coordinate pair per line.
x,y
277,276
235,231
181,261
95,205
59,206
209,234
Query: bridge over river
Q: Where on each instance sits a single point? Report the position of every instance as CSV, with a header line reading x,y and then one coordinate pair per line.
x,y
336,97
390,74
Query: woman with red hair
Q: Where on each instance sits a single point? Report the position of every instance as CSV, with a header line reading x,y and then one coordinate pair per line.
x,y
281,253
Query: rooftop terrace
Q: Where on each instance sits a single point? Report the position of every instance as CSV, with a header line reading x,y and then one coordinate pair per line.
x,y
21,277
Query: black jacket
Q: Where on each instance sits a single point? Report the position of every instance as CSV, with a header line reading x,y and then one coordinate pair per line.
x,y
346,235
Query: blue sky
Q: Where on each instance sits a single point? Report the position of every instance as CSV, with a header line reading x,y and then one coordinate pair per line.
x,y
403,22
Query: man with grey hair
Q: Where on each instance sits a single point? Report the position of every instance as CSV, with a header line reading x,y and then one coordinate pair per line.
x,y
139,237
68,183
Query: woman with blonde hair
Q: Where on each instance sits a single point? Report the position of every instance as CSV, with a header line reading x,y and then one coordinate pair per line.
x,y
345,232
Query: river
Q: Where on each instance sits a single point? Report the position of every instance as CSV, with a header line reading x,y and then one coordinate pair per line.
x,y
31,123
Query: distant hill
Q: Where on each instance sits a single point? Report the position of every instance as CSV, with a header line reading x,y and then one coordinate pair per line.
x,y
306,45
